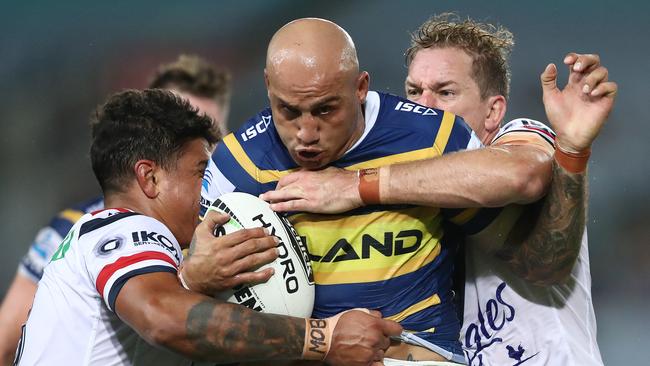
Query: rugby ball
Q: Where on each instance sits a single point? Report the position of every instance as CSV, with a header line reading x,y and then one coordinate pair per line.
x,y
290,291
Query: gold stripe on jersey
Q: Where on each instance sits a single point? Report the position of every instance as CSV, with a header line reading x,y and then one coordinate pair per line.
x,y
370,247
464,216
444,132
71,215
430,301
438,147
262,176
272,175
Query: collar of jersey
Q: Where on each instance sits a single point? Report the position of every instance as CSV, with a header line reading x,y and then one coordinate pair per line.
x,y
371,111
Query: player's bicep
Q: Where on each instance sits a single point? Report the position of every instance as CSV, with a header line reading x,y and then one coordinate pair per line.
x,y
526,132
149,299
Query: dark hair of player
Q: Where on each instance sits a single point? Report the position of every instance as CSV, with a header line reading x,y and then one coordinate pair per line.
x,y
150,124
488,45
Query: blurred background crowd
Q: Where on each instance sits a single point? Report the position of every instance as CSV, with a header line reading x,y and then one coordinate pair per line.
x,y
58,60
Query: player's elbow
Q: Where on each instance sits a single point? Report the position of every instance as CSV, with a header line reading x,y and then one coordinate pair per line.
x,y
530,181
161,326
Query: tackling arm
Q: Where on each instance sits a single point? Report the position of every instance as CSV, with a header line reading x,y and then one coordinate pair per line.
x,y
547,253
494,176
199,327
458,180
577,113
165,314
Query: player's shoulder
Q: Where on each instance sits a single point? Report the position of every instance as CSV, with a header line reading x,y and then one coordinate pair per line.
x,y
394,107
110,228
399,113
256,142
526,125
117,220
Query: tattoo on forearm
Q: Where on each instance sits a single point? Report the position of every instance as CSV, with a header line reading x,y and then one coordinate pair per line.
x,y
546,254
227,333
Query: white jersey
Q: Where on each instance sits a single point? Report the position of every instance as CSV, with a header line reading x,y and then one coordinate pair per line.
x,y
73,320
508,321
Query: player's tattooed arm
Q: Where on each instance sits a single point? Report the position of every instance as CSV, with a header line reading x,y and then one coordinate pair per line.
x,y
577,112
199,327
203,328
546,253
214,327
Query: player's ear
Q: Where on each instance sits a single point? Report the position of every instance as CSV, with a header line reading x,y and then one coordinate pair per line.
x,y
267,83
496,112
363,82
145,174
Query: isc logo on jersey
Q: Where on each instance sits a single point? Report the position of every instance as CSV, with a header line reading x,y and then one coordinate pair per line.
x,y
415,108
259,127
290,291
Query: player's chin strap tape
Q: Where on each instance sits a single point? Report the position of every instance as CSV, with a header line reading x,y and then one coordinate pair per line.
x,y
318,336
572,162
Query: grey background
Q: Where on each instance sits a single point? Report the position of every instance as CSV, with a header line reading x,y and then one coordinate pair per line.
x,y
57,61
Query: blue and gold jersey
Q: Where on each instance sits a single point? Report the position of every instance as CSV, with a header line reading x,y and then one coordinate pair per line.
x,y
49,237
390,258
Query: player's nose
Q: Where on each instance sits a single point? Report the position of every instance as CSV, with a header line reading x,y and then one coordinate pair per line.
x,y
427,99
308,131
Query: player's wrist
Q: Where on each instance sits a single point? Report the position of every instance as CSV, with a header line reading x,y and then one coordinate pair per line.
x,y
372,185
318,338
572,160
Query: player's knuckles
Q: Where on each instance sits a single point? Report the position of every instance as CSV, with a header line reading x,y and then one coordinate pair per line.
x,y
257,259
590,59
256,245
259,277
241,236
598,75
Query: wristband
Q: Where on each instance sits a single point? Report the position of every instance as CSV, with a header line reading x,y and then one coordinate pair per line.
x,y
572,162
318,338
318,335
369,186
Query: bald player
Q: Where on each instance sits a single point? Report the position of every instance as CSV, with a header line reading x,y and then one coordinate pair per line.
x,y
391,258
461,65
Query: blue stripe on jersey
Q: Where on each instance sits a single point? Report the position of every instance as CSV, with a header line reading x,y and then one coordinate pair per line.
x,y
97,223
27,264
61,225
229,166
121,281
480,221
332,299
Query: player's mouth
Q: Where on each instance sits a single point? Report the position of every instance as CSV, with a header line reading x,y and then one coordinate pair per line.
x,y
309,155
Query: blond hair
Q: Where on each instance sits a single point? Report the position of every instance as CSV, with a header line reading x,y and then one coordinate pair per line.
x,y
487,44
